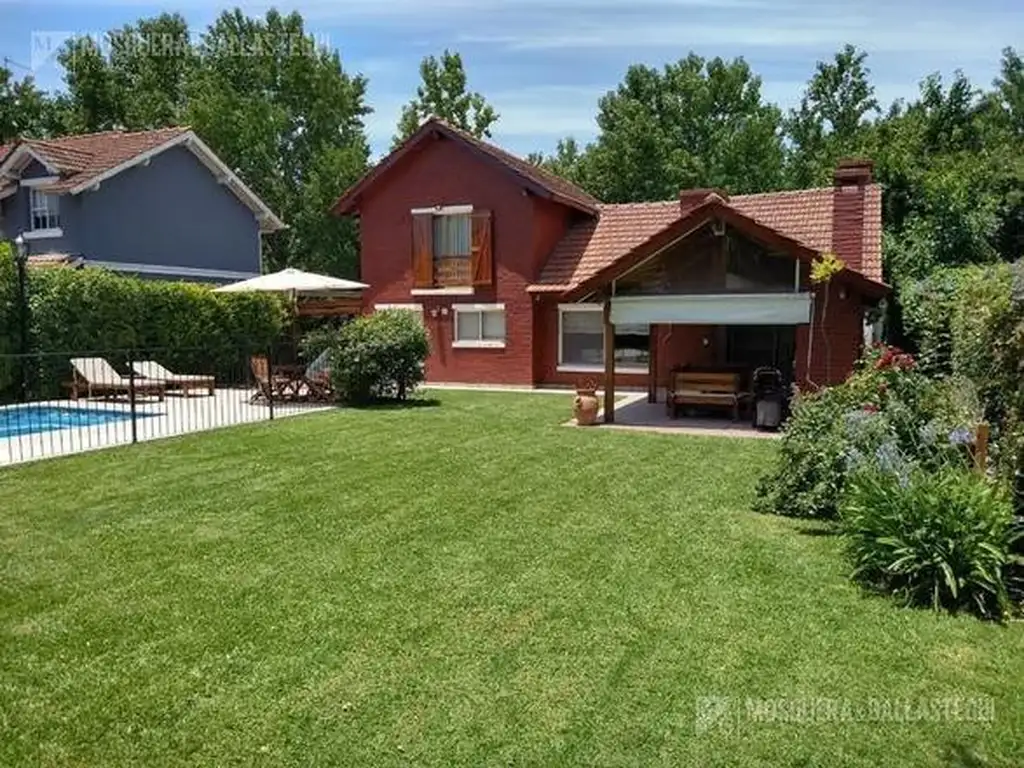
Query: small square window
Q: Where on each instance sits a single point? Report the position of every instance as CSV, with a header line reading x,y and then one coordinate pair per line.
x,y
44,210
480,327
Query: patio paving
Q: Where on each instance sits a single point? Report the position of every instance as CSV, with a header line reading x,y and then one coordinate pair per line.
x,y
634,413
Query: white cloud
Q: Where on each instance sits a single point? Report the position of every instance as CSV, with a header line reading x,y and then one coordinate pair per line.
x,y
772,31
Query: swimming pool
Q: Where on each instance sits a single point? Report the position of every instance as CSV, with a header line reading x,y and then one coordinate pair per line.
x,y
31,419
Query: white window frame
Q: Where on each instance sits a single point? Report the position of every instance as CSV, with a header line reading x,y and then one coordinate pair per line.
x,y
564,367
480,343
50,210
444,210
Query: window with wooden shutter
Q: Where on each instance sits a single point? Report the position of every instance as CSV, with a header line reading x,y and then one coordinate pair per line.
x,y
423,250
482,258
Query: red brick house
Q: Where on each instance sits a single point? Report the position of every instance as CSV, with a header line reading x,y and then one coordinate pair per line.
x,y
521,277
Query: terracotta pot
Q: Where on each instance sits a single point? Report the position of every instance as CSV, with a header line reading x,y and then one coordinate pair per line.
x,y
585,407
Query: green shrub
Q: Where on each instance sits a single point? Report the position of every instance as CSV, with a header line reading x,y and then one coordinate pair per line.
x,y
939,538
927,307
969,322
887,405
378,357
9,322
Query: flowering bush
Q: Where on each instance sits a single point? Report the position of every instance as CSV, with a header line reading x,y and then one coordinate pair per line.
x,y
887,415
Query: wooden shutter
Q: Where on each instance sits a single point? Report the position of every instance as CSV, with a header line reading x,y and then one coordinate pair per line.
x,y
423,250
482,261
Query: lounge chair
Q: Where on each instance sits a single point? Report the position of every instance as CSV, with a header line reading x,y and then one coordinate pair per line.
x,y
94,377
151,369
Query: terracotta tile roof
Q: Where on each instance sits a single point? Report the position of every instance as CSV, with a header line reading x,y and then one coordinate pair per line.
x,y
802,215
79,159
592,245
806,215
557,187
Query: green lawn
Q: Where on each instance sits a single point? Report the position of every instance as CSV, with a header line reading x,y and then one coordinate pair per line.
x,y
465,584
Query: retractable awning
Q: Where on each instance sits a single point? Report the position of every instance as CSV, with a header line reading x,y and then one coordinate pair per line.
x,y
714,309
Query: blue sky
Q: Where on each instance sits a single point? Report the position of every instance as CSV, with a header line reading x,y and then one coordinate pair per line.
x,y
544,63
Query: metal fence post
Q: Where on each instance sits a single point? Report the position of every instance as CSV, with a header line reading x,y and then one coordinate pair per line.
x,y
131,397
270,381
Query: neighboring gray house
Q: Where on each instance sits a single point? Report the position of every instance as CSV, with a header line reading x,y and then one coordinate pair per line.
x,y
156,203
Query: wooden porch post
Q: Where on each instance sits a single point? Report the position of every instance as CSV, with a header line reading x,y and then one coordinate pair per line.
x,y
609,364
652,374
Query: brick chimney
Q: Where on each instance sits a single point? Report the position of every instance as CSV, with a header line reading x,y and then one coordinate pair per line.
x,y
691,198
850,181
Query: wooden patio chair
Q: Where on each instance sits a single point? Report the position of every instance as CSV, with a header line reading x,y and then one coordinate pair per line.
x,y
280,387
152,370
95,377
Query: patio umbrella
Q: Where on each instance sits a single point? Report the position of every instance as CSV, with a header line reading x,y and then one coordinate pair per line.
x,y
293,281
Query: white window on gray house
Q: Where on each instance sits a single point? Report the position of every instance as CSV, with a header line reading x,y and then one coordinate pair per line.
x,y
479,325
44,209
581,341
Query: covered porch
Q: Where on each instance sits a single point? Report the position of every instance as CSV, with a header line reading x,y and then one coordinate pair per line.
x,y
717,304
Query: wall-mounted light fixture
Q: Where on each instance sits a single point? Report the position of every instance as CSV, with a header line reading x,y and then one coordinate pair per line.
x,y
444,311
433,311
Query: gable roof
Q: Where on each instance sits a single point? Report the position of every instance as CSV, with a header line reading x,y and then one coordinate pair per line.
x,y
802,218
83,161
536,179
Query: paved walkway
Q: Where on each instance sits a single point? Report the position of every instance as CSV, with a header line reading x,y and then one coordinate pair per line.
x,y
634,413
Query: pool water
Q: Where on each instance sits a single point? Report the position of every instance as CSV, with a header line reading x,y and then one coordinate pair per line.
x,y
32,419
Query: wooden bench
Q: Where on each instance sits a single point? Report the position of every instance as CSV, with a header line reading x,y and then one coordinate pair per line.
x,y
706,389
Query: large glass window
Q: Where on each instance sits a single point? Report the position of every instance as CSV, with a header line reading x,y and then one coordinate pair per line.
x,y
581,340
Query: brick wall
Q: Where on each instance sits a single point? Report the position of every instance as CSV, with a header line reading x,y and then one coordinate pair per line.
x,y
837,345
525,228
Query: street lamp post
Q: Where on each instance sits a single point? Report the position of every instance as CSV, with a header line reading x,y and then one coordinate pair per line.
x,y
21,258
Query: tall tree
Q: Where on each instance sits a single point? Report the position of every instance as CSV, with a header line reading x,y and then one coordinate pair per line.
x,y
1009,91
136,80
287,116
24,109
568,161
695,123
832,120
281,112
442,93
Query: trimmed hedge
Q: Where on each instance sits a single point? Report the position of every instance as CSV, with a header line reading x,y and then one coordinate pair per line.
x,y
9,327
76,312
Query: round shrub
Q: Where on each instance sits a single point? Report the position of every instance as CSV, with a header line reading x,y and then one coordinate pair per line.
x,y
939,538
378,357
